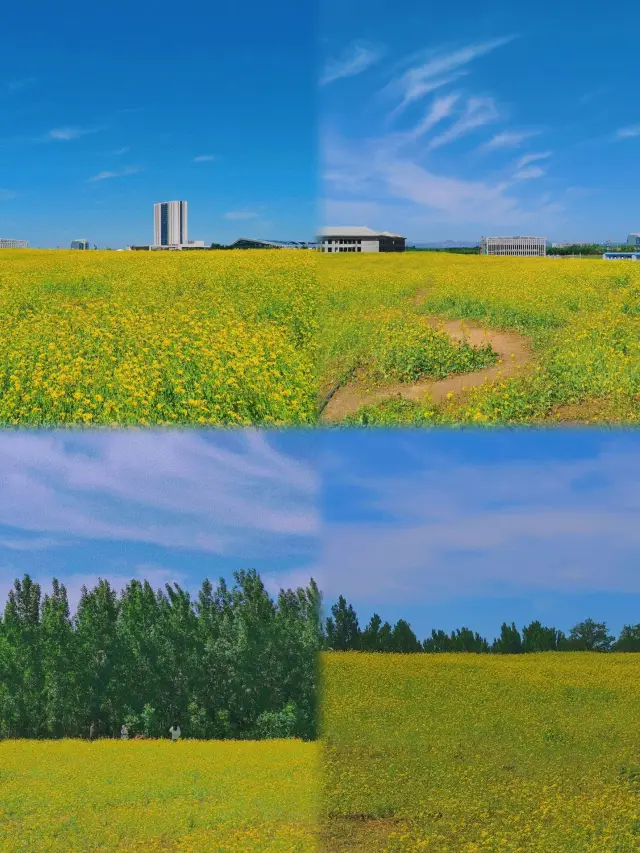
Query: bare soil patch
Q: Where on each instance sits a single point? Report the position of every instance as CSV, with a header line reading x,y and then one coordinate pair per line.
x,y
354,834
513,352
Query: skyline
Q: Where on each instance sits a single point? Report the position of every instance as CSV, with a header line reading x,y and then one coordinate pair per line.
x,y
471,528
444,133
168,108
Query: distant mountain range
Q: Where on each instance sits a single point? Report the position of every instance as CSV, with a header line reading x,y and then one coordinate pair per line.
x,y
446,244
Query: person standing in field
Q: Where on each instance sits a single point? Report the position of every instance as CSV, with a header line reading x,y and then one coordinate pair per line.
x,y
124,732
174,731
92,730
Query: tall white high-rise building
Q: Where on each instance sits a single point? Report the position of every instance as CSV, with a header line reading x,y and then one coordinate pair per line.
x,y
170,223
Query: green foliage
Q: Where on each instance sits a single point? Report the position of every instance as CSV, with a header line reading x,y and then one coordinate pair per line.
x,y
149,658
629,639
342,633
278,724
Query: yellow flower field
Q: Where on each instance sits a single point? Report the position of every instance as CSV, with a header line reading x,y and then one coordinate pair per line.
x,y
580,319
142,796
463,753
119,338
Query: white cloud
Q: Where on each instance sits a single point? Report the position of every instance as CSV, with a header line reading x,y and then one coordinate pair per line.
x,y
121,173
241,214
204,158
356,58
20,84
67,133
508,139
593,94
439,70
455,528
532,158
441,108
530,172
478,112
186,489
380,183
122,150
628,132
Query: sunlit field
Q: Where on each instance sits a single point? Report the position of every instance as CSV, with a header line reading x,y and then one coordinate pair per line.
x,y
113,338
462,753
137,796
579,321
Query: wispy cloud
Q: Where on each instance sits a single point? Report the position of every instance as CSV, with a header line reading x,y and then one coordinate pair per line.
x,y
65,134
199,491
552,523
117,151
478,112
120,173
593,94
20,84
441,108
204,158
7,195
628,132
357,57
241,214
508,139
532,158
439,70
530,172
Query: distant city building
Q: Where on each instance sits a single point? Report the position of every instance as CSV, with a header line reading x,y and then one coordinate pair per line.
x,y
633,240
79,244
524,247
194,244
13,244
359,239
170,223
249,243
621,256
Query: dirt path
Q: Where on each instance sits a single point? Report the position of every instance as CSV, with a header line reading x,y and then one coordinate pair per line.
x,y
513,353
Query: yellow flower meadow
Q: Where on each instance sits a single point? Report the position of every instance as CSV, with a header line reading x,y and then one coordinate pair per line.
x,y
581,318
464,753
127,338
158,797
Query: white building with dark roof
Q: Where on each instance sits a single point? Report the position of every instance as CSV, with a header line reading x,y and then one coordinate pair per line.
x,y
349,238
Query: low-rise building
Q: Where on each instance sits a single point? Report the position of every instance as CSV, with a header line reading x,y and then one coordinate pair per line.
x,y
349,238
13,244
249,243
524,247
621,256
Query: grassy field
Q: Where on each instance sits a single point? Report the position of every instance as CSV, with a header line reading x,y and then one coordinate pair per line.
x,y
481,754
143,796
579,318
157,337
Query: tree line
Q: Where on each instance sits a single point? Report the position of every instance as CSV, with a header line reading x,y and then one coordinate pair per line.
x,y
232,663
342,632
593,249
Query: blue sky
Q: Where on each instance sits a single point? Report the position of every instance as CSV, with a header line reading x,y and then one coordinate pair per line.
x,y
166,506
452,528
104,112
478,118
